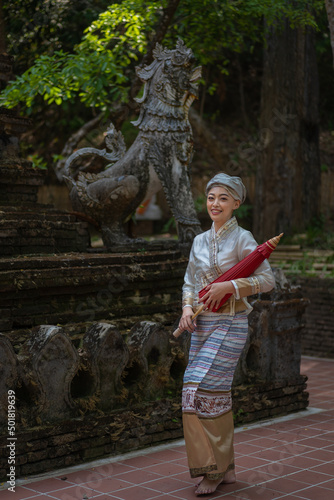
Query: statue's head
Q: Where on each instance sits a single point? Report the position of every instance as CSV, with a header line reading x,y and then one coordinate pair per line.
x,y
171,77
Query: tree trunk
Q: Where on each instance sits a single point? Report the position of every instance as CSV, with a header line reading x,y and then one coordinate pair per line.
x,y
288,176
2,30
210,141
330,15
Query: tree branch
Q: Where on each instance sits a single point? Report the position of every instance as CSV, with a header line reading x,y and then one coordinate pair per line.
x,y
73,142
121,113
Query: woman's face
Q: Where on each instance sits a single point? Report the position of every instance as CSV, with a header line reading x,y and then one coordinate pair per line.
x,y
220,205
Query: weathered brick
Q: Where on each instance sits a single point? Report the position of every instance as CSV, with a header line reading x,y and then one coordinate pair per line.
x,y
318,333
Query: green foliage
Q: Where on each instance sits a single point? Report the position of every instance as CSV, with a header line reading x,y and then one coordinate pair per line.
x,y
169,226
243,212
129,132
239,416
216,28
37,27
200,203
308,265
38,162
57,157
318,235
98,71
302,266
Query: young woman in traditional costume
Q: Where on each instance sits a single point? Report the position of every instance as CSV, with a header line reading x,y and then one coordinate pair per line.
x,y
218,338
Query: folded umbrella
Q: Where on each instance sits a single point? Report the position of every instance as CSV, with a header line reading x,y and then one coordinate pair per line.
x,y
242,269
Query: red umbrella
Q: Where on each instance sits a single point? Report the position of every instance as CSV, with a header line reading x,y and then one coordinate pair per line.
x,y
242,269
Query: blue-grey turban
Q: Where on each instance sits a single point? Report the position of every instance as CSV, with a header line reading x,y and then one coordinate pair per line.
x,y
234,183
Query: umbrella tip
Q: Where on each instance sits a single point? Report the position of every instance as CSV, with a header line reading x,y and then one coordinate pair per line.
x,y
274,241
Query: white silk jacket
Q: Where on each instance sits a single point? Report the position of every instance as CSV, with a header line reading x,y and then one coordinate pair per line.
x,y
212,254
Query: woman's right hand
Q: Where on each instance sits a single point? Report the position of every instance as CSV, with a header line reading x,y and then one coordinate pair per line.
x,y
185,321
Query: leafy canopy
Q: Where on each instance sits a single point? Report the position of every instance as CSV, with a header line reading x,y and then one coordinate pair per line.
x,y
36,27
98,71
214,28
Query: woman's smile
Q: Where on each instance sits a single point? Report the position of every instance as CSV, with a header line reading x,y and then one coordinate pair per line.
x,y
220,205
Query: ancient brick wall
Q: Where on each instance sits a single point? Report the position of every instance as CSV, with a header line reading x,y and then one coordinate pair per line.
x,y
81,288
86,392
318,334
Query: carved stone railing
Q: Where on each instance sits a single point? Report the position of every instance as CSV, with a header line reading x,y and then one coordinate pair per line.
x,y
119,390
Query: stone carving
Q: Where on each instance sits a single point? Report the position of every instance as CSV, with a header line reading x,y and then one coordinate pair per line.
x,y
108,355
273,348
160,155
49,368
8,375
125,392
151,360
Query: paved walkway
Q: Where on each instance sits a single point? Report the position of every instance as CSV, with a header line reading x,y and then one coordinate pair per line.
x,y
291,458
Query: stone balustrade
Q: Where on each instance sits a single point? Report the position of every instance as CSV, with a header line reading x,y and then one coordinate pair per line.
x,y
114,389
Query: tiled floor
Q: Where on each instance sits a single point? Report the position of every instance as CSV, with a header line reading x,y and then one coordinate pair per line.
x,y
291,458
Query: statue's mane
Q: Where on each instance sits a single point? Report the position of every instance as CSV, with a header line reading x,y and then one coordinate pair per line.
x,y
155,113
161,54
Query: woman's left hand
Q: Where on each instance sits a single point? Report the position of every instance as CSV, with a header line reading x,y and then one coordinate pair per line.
x,y
215,293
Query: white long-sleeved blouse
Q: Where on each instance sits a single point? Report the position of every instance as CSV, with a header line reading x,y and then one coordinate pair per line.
x,y
212,254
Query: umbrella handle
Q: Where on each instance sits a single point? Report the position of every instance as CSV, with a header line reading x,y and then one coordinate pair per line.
x,y
178,331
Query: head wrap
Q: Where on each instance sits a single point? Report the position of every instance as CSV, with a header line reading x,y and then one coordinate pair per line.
x,y
234,183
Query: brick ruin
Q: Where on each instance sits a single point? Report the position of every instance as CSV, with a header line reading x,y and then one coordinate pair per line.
x,y
90,389
318,333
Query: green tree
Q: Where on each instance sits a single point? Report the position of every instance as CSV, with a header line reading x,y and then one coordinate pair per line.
x,y
99,72
100,68
36,27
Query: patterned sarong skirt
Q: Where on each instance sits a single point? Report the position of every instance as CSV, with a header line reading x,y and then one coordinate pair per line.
x,y
216,346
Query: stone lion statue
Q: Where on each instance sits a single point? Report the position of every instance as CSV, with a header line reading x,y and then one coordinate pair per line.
x,y
159,157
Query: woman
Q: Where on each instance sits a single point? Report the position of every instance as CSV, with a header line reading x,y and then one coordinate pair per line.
x,y
218,338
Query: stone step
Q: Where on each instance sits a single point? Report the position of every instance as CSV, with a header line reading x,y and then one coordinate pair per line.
x,y
39,212
322,265
77,287
277,257
285,248
317,261
19,183
88,259
34,231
